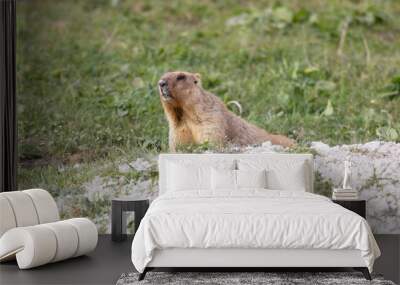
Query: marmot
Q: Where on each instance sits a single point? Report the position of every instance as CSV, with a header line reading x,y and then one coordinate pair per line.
x,y
196,116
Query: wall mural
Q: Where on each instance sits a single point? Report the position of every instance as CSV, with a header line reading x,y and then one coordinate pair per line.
x,y
105,86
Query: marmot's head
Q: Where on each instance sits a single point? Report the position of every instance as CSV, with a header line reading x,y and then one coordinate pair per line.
x,y
178,86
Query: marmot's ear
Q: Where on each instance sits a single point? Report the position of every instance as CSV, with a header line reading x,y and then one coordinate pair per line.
x,y
198,78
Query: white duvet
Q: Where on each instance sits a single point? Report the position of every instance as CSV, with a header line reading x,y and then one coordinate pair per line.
x,y
250,219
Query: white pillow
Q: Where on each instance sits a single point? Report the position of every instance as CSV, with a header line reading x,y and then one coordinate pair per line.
x,y
291,175
230,180
223,179
184,178
193,174
251,178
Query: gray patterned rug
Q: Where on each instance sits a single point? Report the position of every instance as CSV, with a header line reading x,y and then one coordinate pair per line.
x,y
236,278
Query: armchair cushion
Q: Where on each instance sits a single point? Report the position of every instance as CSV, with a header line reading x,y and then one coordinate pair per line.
x,y
40,244
26,208
31,232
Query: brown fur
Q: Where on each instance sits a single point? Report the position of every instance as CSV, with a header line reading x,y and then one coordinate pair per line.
x,y
196,116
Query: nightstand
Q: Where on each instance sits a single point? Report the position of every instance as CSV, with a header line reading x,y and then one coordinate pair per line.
x,y
118,218
356,206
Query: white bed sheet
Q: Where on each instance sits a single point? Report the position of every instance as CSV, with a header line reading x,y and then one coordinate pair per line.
x,y
250,219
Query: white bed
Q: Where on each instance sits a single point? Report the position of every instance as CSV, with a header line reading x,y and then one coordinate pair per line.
x,y
194,223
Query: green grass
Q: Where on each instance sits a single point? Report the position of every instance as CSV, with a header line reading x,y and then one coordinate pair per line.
x,y
87,74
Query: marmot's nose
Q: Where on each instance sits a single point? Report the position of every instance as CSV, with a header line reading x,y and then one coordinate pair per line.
x,y
162,83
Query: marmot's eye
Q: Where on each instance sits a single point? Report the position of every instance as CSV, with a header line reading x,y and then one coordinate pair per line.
x,y
181,77
195,82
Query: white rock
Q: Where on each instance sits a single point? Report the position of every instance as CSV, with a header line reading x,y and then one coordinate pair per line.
x,y
124,168
140,164
375,174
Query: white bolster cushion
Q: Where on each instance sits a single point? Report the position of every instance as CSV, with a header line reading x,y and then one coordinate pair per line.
x,y
33,246
46,207
40,244
23,208
87,235
26,208
7,218
66,238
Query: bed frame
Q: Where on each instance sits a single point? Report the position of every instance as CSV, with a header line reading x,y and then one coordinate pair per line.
x,y
363,270
234,259
245,259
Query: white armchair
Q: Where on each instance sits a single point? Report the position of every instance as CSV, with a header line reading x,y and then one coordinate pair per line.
x,y
31,230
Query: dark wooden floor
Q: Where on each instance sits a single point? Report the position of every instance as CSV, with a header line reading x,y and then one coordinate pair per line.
x,y
103,266
110,260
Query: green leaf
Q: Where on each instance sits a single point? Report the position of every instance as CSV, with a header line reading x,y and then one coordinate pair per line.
x,y
240,20
301,16
387,133
325,85
122,113
310,69
138,82
393,89
283,14
328,109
